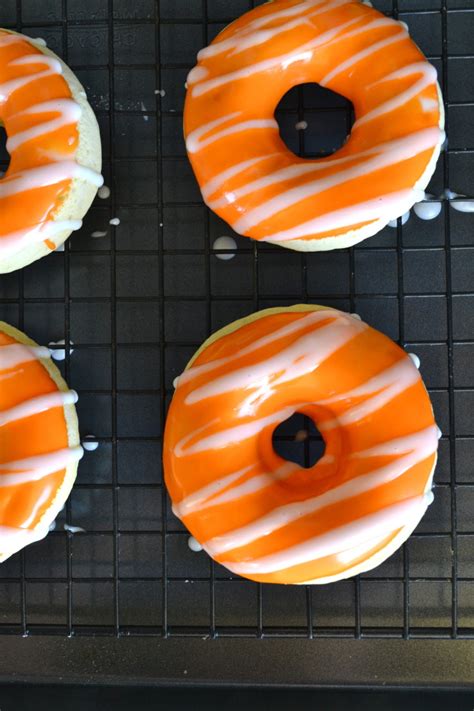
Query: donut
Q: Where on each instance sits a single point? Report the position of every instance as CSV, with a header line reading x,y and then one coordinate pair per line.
x,y
55,153
39,441
246,173
272,520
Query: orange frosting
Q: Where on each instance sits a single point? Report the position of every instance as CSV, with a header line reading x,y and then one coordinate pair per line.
x,y
246,173
38,458
26,208
274,521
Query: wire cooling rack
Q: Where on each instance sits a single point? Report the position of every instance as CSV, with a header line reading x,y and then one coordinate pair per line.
x,y
136,302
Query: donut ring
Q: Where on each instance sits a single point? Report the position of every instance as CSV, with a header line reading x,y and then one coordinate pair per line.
x,y
39,441
54,144
271,520
245,172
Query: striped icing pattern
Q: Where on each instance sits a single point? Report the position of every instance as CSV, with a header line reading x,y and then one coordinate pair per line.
x,y
34,442
246,174
41,120
274,521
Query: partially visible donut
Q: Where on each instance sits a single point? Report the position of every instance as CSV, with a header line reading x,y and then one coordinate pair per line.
x,y
246,173
54,143
272,520
39,441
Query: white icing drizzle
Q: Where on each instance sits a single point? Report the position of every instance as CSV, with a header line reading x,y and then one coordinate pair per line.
x,y
302,356
52,64
195,143
301,53
14,354
369,527
215,183
44,175
37,467
229,436
412,450
69,113
378,391
36,405
294,326
364,53
428,77
11,243
222,490
394,152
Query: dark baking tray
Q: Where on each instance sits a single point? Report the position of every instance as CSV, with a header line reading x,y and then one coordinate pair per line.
x,y
126,601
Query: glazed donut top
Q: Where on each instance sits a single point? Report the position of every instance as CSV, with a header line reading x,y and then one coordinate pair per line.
x,y
246,173
36,441
269,519
41,121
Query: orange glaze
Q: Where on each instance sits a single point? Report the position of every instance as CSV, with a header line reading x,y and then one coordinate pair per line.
x,y
25,106
257,514
246,173
44,432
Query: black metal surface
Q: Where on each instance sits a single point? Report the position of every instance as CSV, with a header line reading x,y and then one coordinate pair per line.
x,y
137,302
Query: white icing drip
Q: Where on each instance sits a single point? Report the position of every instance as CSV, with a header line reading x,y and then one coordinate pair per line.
x,y
427,210
225,242
379,391
293,327
8,87
73,529
394,152
403,219
301,125
115,221
369,527
194,545
98,233
412,450
15,241
463,205
415,359
363,54
37,467
69,112
369,211
103,192
302,356
194,143
14,354
428,77
36,405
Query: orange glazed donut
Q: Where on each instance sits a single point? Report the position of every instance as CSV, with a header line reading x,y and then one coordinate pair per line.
x,y
39,441
269,519
246,173
54,145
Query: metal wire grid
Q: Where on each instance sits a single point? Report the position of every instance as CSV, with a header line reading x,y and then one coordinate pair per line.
x,y
138,302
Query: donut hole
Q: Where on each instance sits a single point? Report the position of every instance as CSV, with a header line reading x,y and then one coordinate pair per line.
x,y
4,157
298,440
314,122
